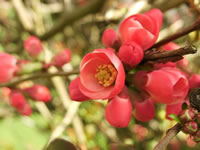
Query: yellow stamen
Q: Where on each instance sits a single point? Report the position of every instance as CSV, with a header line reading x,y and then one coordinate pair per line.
x,y
106,74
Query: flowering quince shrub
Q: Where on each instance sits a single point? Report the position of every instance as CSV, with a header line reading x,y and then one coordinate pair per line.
x,y
12,68
103,73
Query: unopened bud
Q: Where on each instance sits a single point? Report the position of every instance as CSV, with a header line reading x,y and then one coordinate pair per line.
x,y
188,115
190,127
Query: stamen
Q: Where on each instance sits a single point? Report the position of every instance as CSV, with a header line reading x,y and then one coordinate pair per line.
x,y
106,74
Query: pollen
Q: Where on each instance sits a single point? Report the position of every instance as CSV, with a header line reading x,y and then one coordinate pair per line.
x,y
106,74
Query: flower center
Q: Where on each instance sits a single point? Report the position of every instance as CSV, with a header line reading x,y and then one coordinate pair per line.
x,y
106,74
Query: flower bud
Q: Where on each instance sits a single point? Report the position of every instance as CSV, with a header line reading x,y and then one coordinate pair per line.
x,y
110,38
119,110
18,101
144,110
194,81
33,46
8,67
74,91
197,137
38,92
61,58
140,79
198,118
131,54
190,127
188,115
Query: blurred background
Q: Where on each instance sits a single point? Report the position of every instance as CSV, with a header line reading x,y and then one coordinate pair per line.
x,y
78,25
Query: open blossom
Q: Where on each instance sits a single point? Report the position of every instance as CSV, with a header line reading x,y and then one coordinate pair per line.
x,y
74,91
18,101
131,54
142,29
119,110
61,58
8,67
167,85
144,110
38,92
33,46
102,74
110,38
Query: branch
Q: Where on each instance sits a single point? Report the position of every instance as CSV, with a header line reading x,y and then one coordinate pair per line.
x,y
36,76
172,132
186,30
69,17
172,55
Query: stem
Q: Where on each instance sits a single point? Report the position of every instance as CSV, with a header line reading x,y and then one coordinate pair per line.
x,y
172,132
36,76
69,17
186,30
172,55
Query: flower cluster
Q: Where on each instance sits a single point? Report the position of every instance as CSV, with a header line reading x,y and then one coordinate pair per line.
x,y
190,119
11,67
103,73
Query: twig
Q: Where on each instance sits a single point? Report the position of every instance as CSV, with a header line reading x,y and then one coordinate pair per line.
x,y
172,132
69,17
69,116
36,76
186,30
172,55
24,17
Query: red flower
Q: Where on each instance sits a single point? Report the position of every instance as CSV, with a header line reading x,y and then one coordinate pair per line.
x,y
61,58
142,29
101,74
131,54
110,38
18,101
33,46
194,81
173,109
38,92
7,67
167,85
118,112
74,91
144,110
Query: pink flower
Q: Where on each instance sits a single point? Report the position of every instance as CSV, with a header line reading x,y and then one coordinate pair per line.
x,y
142,29
110,38
167,85
131,54
173,109
102,74
18,101
61,58
74,91
140,79
38,92
33,46
194,81
7,67
144,110
118,111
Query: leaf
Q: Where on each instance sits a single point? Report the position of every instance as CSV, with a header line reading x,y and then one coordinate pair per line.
x,y
184,106
61,144
174,117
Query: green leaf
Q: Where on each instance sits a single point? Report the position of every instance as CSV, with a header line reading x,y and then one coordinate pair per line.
x,y
174,117
60,144
184,106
